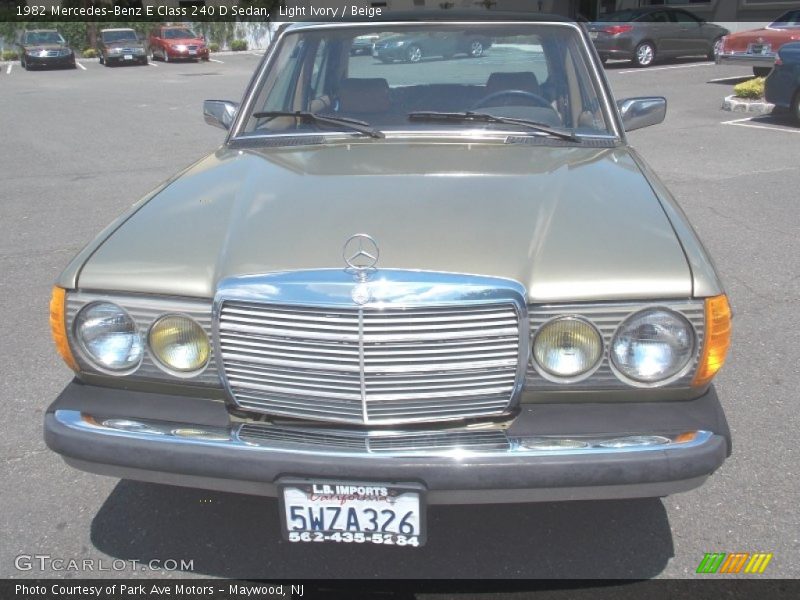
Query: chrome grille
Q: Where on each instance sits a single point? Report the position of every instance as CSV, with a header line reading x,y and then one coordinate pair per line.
x,y
607,317
357,441
371,364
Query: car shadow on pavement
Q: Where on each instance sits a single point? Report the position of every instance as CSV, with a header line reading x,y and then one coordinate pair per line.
x,y
238,536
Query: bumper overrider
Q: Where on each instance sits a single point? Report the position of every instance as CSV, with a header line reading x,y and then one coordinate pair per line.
x,y
548,452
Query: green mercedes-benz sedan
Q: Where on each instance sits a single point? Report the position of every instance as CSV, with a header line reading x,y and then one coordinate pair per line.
x,y
396,285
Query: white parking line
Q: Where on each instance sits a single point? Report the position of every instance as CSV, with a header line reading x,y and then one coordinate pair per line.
x,y
80,65
745,123
216,61
151,63
8,69
646,70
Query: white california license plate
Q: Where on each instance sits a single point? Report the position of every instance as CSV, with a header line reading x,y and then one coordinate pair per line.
x,y
352,512
192,52
128,57
593,35
759,49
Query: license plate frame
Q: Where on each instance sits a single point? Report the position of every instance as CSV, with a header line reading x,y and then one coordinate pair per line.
x,y
127,57
400,492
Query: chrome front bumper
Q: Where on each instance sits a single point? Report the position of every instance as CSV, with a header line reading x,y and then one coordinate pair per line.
x,y
748,60
488,464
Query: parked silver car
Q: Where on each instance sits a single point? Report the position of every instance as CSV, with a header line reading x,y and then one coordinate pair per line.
x,y
401,285
644,35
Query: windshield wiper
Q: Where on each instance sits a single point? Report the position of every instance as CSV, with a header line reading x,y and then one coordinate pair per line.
x,y
487,118
355,124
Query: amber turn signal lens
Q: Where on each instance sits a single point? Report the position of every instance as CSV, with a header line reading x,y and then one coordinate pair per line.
x,y
58,327
717,339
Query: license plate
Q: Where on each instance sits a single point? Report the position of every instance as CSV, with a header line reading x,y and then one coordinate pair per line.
x,y
128,57
192,51
593,35
759,49
352,512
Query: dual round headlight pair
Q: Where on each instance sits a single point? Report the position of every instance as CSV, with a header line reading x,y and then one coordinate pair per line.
x,y
649,347
110,338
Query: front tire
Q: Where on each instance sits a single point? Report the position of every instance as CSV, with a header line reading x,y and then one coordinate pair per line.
x,y
414,54
644,55
761,71
715,48
795,108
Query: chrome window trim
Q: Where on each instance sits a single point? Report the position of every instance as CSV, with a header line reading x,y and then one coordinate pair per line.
x,y
390,289
611,114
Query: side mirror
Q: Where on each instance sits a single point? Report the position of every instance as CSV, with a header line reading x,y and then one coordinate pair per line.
x,y
220,113
642,112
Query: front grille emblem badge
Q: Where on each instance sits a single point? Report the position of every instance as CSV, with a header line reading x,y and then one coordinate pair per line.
x,y
360,253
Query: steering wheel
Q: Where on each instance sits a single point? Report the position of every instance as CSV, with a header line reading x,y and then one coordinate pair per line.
x,y
536,99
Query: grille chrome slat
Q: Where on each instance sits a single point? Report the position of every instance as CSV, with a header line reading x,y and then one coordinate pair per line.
x,y
374,365
317,438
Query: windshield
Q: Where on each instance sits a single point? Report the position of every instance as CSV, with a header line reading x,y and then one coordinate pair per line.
x,y
787,19
124,35
43,37
179,34
536,72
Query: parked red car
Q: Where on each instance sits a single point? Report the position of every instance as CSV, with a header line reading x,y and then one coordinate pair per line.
x,y
172,43
759,47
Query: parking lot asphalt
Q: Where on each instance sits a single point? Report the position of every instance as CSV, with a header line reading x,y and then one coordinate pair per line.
x,y
79,146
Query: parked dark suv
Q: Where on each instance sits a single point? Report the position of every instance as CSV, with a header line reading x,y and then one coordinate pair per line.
x,y
646,34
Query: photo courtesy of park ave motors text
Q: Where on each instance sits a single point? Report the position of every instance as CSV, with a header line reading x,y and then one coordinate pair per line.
x,y
522,273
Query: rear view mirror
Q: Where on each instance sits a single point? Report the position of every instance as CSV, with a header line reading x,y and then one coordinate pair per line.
x,y
220,113
642,112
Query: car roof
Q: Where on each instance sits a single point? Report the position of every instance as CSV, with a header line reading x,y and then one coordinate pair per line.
x,y
118,29
41,31
439,16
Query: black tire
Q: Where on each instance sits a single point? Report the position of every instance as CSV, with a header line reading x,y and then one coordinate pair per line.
x,y
603,60
100,58
476,49
413,54
644,55
385,60
144,61
22,62
714,50
795,108
761,71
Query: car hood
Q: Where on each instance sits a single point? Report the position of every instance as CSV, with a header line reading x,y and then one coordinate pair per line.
x,y
569,223
185,41
124,44
35,47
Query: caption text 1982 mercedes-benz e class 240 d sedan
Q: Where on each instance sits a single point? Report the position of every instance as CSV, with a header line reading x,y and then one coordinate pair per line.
x,y
397,285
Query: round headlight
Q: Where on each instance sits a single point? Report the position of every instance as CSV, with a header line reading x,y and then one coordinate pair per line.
x,y
653,345
179,343
567,347
108,336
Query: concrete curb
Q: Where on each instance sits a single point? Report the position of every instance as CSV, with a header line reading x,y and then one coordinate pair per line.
x,y
755,107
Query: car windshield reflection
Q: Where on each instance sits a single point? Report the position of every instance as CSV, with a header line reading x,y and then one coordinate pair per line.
x,y
379,74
